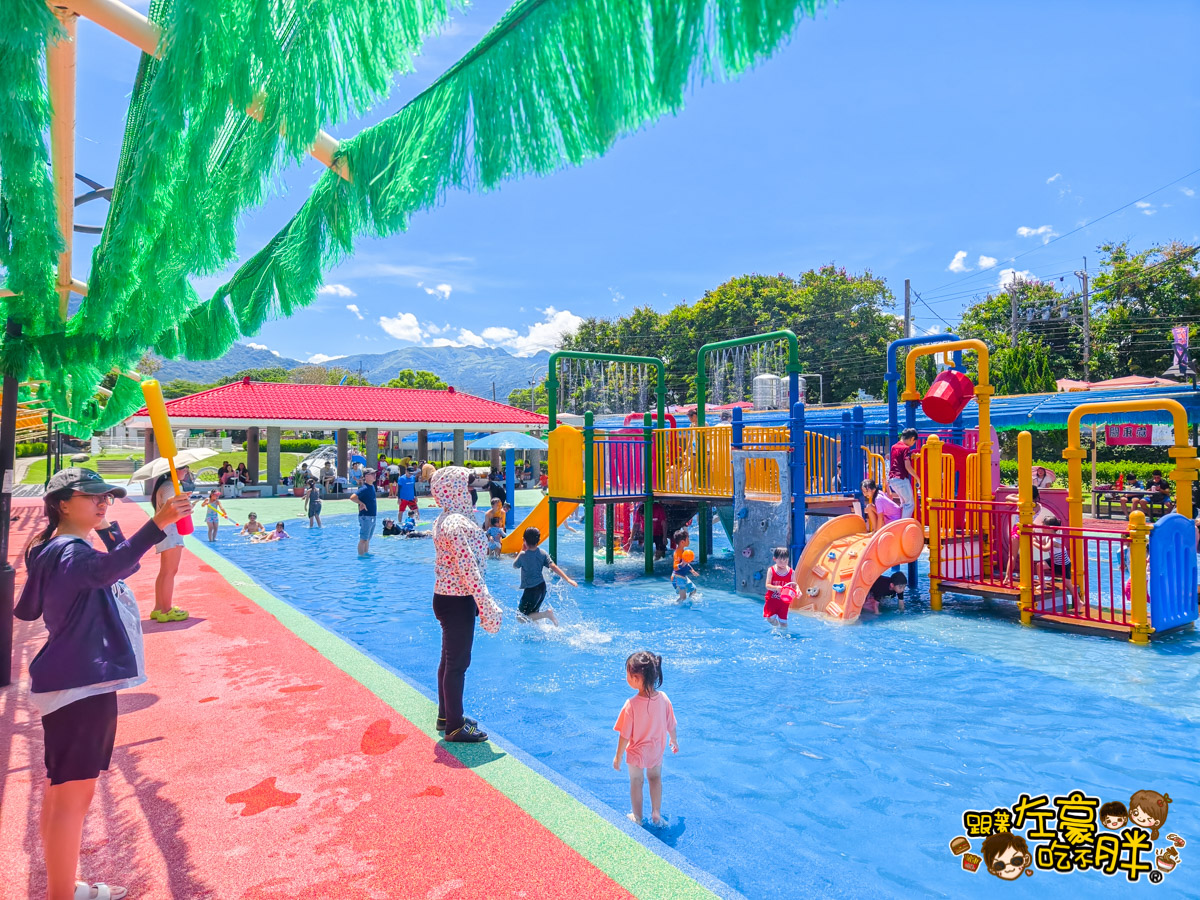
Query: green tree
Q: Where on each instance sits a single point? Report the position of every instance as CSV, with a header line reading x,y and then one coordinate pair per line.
x,y
519,397
276,374
407,378
841,320
1138,297
180,387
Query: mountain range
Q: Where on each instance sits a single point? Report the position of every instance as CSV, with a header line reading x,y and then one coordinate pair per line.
x,y
475,370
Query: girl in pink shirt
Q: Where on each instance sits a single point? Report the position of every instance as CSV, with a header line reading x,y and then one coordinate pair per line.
x,y
645,722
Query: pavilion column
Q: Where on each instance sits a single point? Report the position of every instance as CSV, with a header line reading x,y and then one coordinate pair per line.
x,y
423,444
371,447
274,432
343,441
460,446
495,459
149,448
252,452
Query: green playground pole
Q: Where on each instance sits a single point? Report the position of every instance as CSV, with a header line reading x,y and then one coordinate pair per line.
x,y
589,502
648,504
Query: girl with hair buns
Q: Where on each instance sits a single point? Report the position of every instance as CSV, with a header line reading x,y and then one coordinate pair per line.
x,y
646,721
1149,810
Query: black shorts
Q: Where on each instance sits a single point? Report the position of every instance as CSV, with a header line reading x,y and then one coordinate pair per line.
x,y
1062,569
80,738
532,599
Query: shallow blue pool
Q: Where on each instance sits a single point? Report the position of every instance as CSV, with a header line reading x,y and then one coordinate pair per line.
x,y
828,761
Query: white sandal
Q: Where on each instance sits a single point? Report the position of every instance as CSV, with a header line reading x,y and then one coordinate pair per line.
x,y
83,891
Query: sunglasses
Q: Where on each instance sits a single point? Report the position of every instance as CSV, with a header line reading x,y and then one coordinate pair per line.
x,y
1016,862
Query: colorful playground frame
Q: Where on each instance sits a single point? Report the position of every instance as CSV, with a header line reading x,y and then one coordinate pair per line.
x,y
973,537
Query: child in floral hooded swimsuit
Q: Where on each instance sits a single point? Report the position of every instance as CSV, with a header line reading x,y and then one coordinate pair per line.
x,y
459,595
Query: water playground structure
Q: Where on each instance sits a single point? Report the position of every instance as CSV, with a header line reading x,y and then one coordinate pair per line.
x,y
775,478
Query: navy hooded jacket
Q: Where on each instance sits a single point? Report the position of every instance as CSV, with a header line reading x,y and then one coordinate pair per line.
x,y
69,585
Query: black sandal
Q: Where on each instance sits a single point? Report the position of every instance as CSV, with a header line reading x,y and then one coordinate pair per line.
x,y
468,734
441,723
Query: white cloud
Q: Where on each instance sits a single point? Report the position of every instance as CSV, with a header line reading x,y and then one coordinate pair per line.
x,y
434,328
1012,276
1188,192
319,359
546,334
958,264
1149,212
1045,232
1053,178
354,309
617,296
403,327
1142,204
496,335
337,290
986,262
468,338
442,291
263,347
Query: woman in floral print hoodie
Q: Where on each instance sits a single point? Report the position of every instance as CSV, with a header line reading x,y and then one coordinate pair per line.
x,y
459,595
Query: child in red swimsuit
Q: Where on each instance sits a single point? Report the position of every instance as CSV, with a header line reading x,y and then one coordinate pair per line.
x,y
775,608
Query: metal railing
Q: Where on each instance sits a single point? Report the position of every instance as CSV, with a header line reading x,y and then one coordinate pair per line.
x,y
969,541
823,457
1080,574
619,465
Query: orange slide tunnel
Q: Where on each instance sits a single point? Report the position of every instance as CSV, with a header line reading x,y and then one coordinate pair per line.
x,y
841,562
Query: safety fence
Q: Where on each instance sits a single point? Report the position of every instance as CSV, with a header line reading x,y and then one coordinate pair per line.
x,y
619,465
1080,574
969,542
823,462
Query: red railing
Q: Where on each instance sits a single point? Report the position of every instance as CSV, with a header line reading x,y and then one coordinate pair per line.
x,y
973,541
1080,574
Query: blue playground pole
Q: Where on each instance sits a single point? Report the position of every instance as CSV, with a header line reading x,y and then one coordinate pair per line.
x,y
793,388
510,484
798,487
737,428
845,470
858,471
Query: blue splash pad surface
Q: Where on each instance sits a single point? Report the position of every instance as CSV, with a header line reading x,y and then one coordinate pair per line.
x,y
824,761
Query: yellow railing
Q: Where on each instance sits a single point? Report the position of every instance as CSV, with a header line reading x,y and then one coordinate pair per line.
x,y
922,511
973,477
698,462
821,453
876,467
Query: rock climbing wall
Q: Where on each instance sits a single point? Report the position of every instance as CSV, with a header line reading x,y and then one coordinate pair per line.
x,y
759,526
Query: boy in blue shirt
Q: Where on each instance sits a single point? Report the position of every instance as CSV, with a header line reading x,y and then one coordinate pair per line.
x,y
364,498
495,535
406,491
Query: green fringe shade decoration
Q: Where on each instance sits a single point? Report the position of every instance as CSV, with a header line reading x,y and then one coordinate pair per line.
x,y
554,83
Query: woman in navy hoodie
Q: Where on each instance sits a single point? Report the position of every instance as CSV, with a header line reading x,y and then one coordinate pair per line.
x,y
93,649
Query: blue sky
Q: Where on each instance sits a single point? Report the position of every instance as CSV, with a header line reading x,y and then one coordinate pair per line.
x,y
948,143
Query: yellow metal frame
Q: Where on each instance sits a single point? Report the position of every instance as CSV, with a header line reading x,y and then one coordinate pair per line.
x,y
1184,455
933,468
983,396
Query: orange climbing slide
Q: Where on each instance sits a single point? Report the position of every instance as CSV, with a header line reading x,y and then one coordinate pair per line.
x,y
841,562
539,518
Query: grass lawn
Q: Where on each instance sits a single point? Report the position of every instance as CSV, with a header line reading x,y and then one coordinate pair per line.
x,y
36,473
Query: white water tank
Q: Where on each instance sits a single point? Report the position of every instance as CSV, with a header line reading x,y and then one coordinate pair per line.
x,y
768,391
803,391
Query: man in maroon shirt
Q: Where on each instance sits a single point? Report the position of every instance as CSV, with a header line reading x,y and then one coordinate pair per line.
x,y
901,471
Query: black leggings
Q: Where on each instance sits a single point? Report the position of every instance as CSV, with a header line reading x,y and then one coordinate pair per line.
x,y
457,618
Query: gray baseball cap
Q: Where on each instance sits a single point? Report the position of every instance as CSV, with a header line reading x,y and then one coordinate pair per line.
x,y
84,481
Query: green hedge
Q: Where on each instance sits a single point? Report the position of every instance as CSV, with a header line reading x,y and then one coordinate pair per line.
x,y
25,450
1106,472
293,445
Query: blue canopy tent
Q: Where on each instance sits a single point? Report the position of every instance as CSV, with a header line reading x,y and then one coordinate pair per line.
x,y
510,442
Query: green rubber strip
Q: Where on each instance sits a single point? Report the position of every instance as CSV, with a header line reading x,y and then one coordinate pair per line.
x,y
619,856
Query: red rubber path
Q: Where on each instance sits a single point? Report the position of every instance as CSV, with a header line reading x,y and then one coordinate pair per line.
x,y
249,766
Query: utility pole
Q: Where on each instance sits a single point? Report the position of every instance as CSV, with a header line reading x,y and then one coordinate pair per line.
x,y
1012,328
1087,318
907,308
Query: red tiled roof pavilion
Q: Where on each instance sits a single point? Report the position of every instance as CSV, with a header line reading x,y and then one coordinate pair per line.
x,y
246,404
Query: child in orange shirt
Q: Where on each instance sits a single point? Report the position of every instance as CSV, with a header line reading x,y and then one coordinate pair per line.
x,y
645,723
683,565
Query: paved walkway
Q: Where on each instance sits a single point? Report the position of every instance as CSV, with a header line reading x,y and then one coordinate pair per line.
x,y
265,758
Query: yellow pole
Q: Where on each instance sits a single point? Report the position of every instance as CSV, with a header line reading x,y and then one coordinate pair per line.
x,y
1139,537
1184,454
60,78
933,475
1025,514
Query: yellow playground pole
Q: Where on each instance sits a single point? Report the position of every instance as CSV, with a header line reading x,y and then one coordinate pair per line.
x,y
1184,455
933,471
1139,538
983,396
1025,512
156,407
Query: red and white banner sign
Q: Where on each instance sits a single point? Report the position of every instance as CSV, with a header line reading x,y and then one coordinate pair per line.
x,y
1138,435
